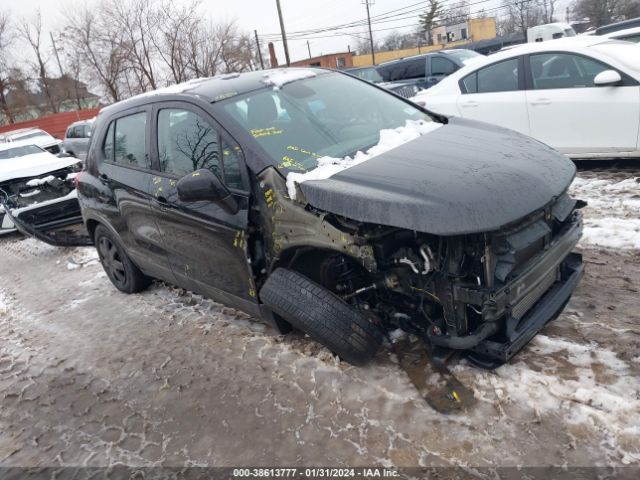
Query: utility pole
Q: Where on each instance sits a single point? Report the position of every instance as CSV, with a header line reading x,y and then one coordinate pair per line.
x,y
309,48
55,50
259,51
373,53
284,34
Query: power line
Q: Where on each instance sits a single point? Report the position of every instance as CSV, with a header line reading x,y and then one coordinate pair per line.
x,y
355,33
375,19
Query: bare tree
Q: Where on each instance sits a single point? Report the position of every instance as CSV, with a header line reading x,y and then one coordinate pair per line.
x,y
131,46
175,24
602,12
520,15
99,45
548,9
137,21
7,38
31,31
458,13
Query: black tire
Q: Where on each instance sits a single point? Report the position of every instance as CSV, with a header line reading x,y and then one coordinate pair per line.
x,y
321,314
124,275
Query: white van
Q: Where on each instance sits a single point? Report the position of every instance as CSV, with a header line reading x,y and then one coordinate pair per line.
x,y
550,31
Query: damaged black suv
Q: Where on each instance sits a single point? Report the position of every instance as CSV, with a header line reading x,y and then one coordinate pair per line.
x,y
315,200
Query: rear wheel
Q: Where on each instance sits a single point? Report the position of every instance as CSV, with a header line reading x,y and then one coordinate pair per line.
x,y
124,275
318,312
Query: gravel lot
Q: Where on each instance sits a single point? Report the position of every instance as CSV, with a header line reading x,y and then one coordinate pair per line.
x,y
91,377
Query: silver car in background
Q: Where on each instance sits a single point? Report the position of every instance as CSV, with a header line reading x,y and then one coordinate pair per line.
x,y
77,138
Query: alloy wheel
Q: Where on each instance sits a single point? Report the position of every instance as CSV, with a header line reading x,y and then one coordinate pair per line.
x,y
111,260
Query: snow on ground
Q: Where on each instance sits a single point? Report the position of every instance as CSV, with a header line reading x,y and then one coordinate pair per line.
x,y
94,377
389,139
612,217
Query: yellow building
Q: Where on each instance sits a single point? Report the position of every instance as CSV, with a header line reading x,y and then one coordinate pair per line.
x,y
472,30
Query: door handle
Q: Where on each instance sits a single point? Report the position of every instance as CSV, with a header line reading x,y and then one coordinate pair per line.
x,y
541,101
469,104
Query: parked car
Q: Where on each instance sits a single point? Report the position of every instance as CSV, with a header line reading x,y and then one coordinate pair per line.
x,y
36,137
424,71
77,138
370,74
617,26
628,35
456,231
579,95
37,188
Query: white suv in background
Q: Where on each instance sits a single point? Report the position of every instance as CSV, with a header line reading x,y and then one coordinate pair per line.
x,y
35,136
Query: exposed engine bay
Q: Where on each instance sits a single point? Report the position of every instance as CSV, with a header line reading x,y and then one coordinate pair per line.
x,y
484,293
42,205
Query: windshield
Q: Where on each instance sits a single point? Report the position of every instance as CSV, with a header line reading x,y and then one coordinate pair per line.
x,y
368,74
463,55
570,32
38,133
328,115
19,152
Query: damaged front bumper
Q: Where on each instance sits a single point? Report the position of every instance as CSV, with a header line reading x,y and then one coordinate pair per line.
x,y
45,220
514,313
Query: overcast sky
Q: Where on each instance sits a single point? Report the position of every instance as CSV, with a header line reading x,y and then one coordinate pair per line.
x,y
299,15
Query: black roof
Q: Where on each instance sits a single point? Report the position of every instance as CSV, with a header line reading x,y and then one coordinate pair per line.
x,y
614,27
494,44
211,89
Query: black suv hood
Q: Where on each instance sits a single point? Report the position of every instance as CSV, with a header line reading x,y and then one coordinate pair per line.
x,y
465,177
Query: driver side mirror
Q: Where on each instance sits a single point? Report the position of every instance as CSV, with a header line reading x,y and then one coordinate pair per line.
x,y
205,186
608,78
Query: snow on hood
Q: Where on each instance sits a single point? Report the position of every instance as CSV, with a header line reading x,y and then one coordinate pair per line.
x,y
389,139
279,78
33,165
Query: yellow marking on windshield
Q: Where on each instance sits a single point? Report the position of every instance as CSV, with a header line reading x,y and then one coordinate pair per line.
x,y
295,148
288,162
265,132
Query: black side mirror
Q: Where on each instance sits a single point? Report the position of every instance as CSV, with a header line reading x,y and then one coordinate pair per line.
x,y
204,186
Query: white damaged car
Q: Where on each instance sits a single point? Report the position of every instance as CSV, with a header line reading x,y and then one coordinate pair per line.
x,y
37,189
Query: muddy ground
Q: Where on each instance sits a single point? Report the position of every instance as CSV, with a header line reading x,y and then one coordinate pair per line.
x,y
89,376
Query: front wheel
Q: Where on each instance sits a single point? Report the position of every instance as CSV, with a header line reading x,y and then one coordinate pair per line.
x,y
124,275
318,312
